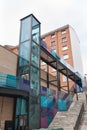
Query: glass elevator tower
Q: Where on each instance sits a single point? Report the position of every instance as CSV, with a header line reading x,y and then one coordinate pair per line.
x,y
29,67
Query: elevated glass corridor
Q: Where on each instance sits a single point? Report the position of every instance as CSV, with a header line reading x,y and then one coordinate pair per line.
x,y
53,60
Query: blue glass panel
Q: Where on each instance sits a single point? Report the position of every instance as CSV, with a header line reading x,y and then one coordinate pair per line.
x,y
24,53
34,22
35,34
18,107
34,81
34,112
3,78
35,57
25,29
43,91
35,31
23,70
50,102
11,81
49,92
62,105
23,107
43,101
50,120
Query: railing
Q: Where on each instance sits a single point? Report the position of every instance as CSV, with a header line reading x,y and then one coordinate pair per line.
x,y
13,82
79,118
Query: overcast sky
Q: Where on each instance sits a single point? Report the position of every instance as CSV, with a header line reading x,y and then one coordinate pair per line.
x,y
51,13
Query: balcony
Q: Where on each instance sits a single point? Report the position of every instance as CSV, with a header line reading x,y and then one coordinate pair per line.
x,y
13,86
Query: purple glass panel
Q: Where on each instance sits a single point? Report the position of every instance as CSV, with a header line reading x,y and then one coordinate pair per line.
x,y
44,122
43,91
24,84
43,112
50,112
43,44
55,111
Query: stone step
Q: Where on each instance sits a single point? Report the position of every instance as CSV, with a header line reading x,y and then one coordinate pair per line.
x,y
83,127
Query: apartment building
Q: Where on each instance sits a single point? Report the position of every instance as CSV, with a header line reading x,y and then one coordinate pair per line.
x,y
64,41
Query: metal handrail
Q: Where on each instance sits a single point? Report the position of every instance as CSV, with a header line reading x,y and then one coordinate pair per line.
x,y
79,117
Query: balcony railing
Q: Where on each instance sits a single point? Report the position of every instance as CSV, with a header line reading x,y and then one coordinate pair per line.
x,y
13,82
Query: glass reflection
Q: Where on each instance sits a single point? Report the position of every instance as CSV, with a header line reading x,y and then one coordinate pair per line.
x,y
35,54
34,81
24,53
34,116
25,29
35,34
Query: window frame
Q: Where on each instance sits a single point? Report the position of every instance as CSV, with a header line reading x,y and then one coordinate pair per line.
x,y
54,43
53,35
64,39
64,56
64,48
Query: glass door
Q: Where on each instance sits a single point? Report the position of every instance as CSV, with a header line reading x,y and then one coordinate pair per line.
x,y
22,122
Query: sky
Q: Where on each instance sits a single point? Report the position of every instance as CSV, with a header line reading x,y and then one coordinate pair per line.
x,y
51,13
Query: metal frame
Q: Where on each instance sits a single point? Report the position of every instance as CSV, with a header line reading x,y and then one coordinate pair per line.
x,y
50,60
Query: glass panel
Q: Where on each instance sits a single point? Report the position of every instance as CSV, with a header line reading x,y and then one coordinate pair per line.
x,y
11,81
18,107
34,113
35,54
34,81
35,34
25,29
23,107
35,30
24,55
24,82
34,22
3,79
23,70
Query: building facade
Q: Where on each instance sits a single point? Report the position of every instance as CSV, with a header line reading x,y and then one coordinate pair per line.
x,y
29,96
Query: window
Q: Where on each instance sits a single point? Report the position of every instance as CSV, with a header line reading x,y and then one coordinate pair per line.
x,y
53,43
64,39
64,78
53,70
53,35
43,63
64,48
44,39
65,56
63,31
54,50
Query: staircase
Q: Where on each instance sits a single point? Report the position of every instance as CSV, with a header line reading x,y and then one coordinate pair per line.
x,y
75,118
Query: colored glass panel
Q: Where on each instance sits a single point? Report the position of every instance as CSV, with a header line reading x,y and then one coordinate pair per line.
x,y
35,56
34,110
34,81
24,53
25,29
